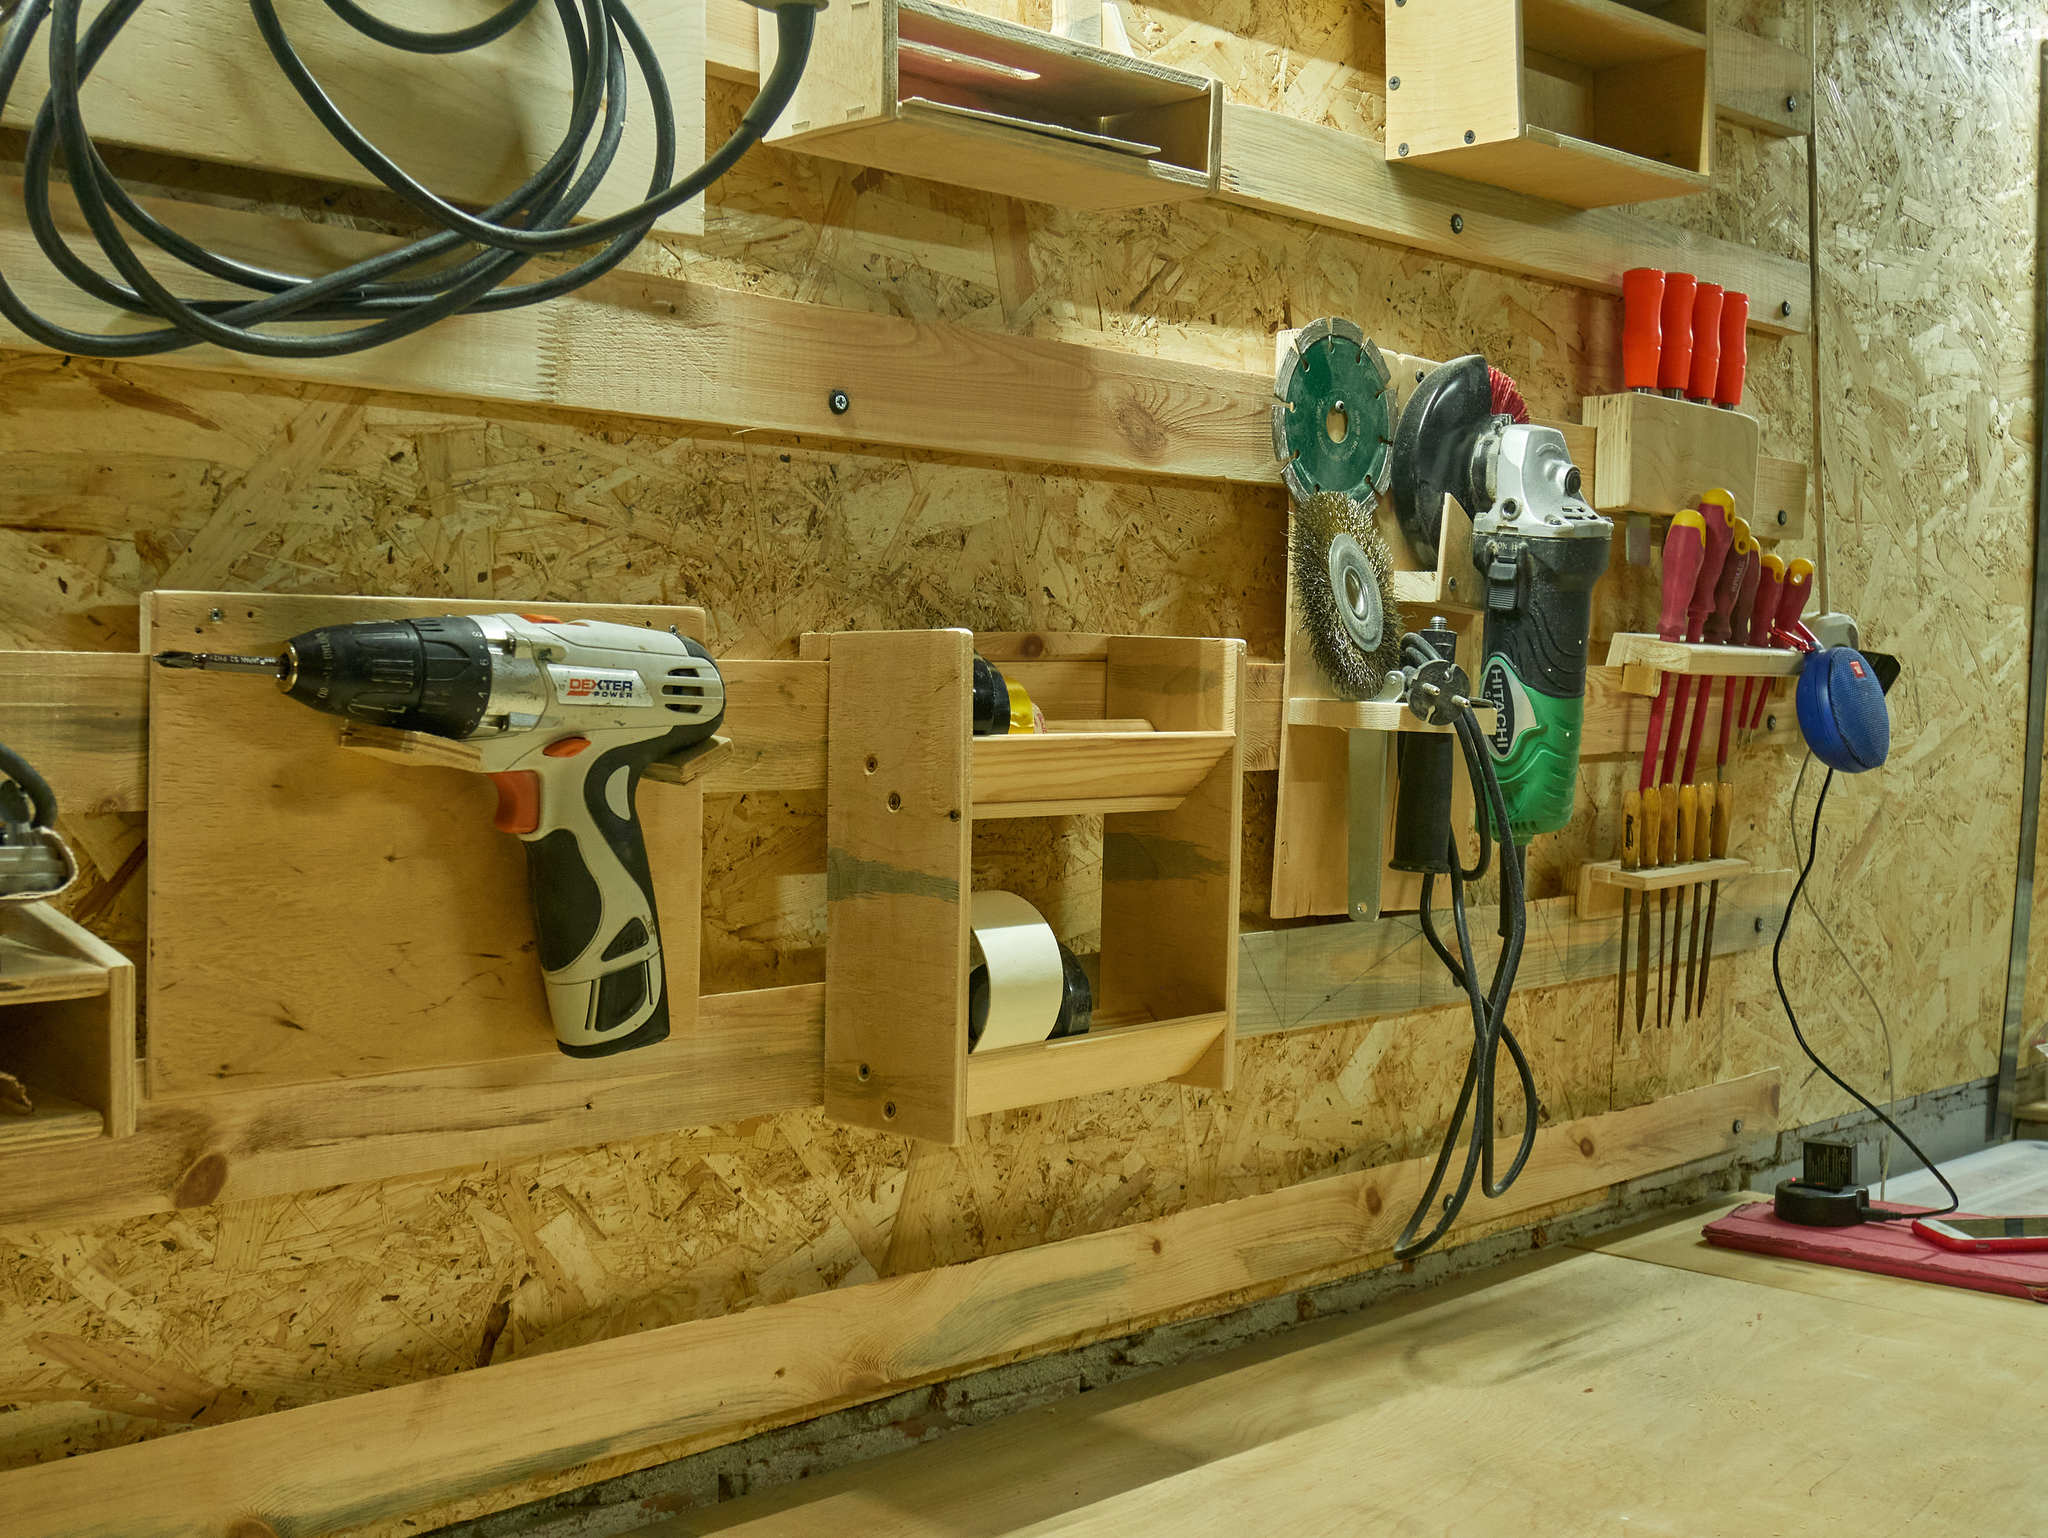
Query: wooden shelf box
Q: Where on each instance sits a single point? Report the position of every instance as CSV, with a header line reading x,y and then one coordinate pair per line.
x,y
905,781
1587,102
934,91
67,1029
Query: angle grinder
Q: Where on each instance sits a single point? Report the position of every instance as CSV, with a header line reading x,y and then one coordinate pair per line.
x,y
1539,549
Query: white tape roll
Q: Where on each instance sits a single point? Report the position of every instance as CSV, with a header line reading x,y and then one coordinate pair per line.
x,y
1025,978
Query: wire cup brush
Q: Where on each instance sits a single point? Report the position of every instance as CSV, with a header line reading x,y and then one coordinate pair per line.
x,y
1344,592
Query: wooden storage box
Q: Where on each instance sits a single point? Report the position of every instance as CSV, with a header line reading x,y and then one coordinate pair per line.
x,y
1654,454
934,91
67,1029
1588,102
905,781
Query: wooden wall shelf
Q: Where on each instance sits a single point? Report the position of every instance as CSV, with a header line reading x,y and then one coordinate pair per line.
x,y
67,1030
1602,883
902,775
1653,454
931,90
1585,102
1643,657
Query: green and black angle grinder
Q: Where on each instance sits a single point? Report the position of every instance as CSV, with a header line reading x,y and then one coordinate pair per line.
x,y
1539,550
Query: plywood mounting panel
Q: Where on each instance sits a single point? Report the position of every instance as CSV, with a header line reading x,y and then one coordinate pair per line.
x,y
318,914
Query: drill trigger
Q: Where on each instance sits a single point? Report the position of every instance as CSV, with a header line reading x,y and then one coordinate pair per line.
x,y
518,801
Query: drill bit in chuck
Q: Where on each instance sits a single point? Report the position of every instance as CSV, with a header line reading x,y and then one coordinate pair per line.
x,y
222,662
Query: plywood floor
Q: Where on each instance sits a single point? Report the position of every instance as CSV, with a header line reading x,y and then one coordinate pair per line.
x,y
1651,1385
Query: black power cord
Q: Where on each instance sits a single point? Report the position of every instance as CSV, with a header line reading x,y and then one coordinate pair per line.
x,y
462,268
1489,1008
1778,976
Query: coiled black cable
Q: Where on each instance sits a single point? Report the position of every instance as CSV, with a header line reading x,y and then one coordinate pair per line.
x,y
1489,1008
462,268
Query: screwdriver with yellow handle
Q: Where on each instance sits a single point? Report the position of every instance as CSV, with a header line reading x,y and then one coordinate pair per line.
x,y
1685,550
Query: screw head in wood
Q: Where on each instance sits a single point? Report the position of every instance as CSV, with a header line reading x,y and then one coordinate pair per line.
x,y
1393,82
1470,136
840,402
1737,1127
1784,307
889,1110
871,764
1770,723
1791,104
1759,924
1782,519
215,615
1457,224
1404,149
895,802
863,1072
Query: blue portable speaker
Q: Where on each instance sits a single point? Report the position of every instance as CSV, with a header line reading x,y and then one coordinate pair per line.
x,y
1842,711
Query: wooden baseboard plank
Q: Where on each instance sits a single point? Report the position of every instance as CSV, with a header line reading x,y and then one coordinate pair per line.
x,y
382,1455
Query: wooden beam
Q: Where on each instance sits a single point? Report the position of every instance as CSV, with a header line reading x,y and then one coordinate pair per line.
x,y
1761,84
1327,176
752,1054
740,363
1324,974
379,1456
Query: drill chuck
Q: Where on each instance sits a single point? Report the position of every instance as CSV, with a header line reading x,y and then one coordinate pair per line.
x,y
416,675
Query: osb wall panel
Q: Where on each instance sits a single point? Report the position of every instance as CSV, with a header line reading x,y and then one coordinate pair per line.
x,y
119,478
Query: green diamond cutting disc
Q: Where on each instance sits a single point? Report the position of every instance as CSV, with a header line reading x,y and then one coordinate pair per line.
x,y
1333,416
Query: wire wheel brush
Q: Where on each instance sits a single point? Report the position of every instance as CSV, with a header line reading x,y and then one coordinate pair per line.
x,y
1344,592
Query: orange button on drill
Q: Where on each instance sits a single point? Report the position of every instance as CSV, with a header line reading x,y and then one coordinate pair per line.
x,y
518,801
566,747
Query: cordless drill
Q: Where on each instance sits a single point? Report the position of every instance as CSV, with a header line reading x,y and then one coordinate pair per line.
x,y
566,715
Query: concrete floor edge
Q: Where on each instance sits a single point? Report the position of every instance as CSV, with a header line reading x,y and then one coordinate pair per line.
x,y
1946,1122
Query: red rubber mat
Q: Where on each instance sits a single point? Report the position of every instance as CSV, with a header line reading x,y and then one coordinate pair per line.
x,y
1892,1249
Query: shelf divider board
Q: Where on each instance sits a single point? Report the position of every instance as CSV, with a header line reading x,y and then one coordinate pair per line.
x,y
1069,774
1170,879
897,881
1121,1058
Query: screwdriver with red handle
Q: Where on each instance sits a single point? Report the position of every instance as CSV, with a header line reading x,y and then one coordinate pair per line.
x,y
1738,592
1674,359
1714,509
1685,552
1706,343
1763,612
1642,331
1734,350
1712,627
1792,594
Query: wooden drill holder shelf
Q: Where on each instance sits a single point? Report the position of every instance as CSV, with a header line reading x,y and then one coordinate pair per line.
x,y
931,90
1587,102
1656,454
67,1029
905,782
